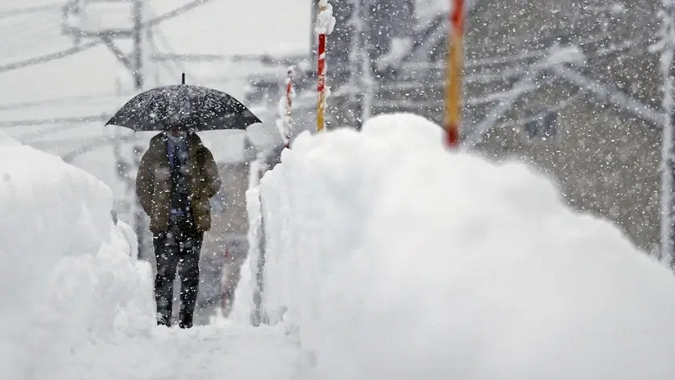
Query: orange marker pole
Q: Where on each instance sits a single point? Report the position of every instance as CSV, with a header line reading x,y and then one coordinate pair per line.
x,y
453,87
321,86
325,22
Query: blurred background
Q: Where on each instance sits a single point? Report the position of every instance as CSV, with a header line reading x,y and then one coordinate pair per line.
x,y
570,86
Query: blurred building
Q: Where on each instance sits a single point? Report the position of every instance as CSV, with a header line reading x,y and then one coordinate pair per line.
x,y
225,246
381,22
591,122
566,85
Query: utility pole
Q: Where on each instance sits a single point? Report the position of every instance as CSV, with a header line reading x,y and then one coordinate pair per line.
x,y
137,62
138,44
666,46
138,73
74,11
362,83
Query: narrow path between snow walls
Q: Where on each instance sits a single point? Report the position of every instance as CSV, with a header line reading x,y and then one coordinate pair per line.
x,y
74,304
392,258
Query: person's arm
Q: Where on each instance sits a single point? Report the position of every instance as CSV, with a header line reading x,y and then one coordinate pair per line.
x,y
211,178
145,183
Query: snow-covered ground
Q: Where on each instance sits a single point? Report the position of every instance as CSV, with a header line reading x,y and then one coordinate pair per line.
x,y
67,275
74,304
388,257
395,259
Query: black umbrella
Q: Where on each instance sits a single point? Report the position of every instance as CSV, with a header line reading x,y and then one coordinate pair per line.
x,y
183,107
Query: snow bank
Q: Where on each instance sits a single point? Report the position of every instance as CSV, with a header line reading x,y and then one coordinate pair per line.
x,y
325,22
5,140
66,276
397,259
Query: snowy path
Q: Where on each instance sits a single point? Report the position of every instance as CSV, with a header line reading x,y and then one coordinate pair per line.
x,y
206,352
386,257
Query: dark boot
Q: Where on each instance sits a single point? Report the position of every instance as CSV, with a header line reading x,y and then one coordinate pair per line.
x,y
185,320
188,296
164,296
189,277
167,260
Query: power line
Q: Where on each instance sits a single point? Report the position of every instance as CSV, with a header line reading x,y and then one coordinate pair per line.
x,y
177,66
610,94
58,120
134,61
63,99
76,50
149,24
80,48
19,29
176,12
174,69
49,57
176,63
95,145
22,11
30,30
38,135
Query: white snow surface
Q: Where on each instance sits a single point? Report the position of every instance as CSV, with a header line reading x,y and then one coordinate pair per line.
x,y
130,237
325,22
387,257
244,307
66,275
74,304
393,258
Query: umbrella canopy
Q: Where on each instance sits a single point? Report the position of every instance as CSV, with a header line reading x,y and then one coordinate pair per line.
x,y
183,107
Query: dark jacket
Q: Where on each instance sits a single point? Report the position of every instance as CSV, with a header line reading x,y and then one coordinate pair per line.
x,y
154,184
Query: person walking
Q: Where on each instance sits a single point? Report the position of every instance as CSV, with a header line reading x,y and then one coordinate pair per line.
x,y
176,178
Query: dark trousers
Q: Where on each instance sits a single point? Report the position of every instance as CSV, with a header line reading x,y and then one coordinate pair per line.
x,y
178,248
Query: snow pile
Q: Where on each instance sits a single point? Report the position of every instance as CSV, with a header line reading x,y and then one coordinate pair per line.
x,y
244,310
7,141
325,21
130,237
395,259
66,277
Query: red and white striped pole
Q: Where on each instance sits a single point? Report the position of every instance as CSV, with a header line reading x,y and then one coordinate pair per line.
x,y
324,26
455,62
285,121
290,75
